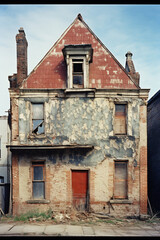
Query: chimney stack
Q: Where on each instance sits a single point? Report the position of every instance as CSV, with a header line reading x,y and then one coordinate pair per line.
x,y
131,69
21,56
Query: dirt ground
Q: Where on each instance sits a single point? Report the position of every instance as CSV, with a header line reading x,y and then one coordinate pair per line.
x,y
74,217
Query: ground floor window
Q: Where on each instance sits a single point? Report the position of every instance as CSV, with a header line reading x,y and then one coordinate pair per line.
x,y
38,180
121,180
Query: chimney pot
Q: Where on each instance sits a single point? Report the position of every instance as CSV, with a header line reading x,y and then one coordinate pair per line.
x,y
129,55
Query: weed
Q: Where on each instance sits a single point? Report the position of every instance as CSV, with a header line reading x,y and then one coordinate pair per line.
x,y
36,215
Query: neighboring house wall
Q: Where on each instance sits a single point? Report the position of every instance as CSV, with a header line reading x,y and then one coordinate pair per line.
x,y
5,165
4,155
154,152
94,135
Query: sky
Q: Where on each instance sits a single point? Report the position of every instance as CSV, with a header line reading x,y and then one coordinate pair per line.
x,y
121,28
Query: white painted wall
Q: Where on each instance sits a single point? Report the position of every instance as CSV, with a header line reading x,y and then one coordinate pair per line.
x,y
5,155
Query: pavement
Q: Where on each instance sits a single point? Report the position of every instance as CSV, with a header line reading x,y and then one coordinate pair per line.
x,y
25,229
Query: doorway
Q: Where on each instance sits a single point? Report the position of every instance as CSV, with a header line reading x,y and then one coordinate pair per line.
x,y
80,193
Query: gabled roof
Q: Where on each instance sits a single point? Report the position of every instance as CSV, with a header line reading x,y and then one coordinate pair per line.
x,y
66,39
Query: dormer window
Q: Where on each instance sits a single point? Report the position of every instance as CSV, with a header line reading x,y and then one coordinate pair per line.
x,y
78,58
78,73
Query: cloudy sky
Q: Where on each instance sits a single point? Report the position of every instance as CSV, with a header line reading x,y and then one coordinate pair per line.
x,y
121,28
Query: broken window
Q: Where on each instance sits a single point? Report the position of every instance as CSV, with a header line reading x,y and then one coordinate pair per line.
x,y
121,180
77,73
37,118
38,181
120,119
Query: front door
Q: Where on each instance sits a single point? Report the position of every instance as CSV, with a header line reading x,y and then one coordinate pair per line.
x,y
80,189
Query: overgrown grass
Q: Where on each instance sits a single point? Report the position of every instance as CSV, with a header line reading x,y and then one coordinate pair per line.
x,y
39,216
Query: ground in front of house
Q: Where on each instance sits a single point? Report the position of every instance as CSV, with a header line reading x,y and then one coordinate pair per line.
x,y
77,224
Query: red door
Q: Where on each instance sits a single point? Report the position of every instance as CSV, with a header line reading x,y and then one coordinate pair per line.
x,y
80,189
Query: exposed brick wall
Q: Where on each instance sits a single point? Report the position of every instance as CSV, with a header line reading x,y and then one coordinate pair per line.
x,y
15,183
143,160
21,56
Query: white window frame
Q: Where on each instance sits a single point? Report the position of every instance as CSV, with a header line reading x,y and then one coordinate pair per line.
x,y
70,70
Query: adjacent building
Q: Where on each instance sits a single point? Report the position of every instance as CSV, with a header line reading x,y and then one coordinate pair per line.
x,y
154,152
5,164
78,128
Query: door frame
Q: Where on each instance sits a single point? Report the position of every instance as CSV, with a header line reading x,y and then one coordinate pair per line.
x,y
88,190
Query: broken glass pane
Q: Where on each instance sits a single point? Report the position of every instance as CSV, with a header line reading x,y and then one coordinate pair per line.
x,y
38,126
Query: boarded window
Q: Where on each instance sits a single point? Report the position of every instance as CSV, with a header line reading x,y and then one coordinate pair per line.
x,y
121,180
37,118
38,181
77,73
120,119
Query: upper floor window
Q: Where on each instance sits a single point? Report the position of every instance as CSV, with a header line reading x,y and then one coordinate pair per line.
x,y
120,121
37,118
78,73
78,58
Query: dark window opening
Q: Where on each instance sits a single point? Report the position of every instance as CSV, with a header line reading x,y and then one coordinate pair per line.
x,y
37,118
121,180
1,179
38,180
77,73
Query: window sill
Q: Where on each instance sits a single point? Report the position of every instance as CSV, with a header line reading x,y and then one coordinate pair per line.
x,y
121,201
34,201
80,90
33,136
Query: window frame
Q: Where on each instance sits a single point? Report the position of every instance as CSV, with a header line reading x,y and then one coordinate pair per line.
x,y
126,119
78,61
39,163
122,197
81,59
32,119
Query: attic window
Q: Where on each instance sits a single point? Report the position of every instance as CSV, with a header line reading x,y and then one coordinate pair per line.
x,y
77,73
78,58
37,118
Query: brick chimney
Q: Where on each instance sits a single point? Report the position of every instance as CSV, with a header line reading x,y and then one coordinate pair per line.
x,y
22,45
131,69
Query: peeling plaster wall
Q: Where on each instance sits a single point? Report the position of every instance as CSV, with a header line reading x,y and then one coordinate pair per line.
x,y
83,121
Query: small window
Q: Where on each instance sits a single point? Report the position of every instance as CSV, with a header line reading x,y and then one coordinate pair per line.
x,y
1,179
121,180
120,119
77,73
38,181
37,118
